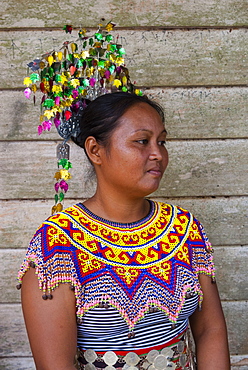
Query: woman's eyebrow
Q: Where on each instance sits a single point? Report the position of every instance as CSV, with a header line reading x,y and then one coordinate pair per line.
x,y
151,132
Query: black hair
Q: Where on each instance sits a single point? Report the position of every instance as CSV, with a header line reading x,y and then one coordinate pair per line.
x,y
102,115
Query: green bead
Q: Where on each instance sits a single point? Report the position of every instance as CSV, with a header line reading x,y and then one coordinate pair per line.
x,y
80,63
85,82
50,71
112,69
109,38
121,51
57,78
101,64
98,36
61,196
48,103
113,47
34,77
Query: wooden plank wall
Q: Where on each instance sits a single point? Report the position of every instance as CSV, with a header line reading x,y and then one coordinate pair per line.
x,y
191,55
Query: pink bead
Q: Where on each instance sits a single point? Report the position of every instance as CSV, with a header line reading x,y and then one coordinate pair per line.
x,y
46,125
75,94
92,82
64,186
56,122
27,92
56,187
107,74
40,129
57,100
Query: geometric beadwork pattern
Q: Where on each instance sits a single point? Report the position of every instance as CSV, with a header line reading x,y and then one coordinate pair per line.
x,y
152,262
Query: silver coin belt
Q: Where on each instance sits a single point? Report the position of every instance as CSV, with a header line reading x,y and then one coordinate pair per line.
x,y
170,358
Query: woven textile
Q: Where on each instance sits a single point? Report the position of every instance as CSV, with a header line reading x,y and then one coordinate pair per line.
x,y
175,356
105,330
154,262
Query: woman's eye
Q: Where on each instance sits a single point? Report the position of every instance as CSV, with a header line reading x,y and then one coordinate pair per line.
x,y
162,142
143,141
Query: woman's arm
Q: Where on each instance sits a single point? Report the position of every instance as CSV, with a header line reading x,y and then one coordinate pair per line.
x,y
51,324
209,330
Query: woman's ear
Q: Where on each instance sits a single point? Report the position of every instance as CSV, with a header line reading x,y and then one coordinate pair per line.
x,y
92,148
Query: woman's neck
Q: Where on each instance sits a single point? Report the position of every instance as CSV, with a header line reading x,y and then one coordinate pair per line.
x,y
118,210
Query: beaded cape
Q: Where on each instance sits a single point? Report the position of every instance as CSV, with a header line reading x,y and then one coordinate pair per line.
x,y
154,262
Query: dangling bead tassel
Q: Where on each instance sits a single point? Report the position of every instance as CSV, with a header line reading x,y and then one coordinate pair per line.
x,y
61,176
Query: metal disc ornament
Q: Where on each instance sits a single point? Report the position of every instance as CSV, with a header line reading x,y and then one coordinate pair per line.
x,y
71,127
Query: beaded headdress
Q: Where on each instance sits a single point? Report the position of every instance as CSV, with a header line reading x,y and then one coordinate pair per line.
x,y
68,79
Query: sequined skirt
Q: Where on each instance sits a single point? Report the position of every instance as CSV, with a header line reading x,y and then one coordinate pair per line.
x,y
177,356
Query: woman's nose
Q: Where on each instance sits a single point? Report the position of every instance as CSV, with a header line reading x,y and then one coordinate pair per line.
x,y
156,153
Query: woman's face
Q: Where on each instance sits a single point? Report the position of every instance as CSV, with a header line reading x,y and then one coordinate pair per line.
x,y
135,159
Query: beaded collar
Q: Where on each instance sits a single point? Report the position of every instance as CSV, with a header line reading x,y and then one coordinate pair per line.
x,y
125,225
154,262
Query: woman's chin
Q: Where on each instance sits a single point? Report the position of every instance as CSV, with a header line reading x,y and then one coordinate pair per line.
x,y
150,190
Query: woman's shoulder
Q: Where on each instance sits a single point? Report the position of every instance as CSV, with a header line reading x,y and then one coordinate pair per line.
x,y
177,215
50,252
57,217
172,208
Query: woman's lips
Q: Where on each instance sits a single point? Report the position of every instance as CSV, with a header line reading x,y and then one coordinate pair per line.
x,y
155,172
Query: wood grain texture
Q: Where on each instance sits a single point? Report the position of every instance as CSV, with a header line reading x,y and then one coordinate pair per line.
x,y
190,113
231,266
14,340
196,168
225,219
10,261
205,168
154,58
125,13
20,363
187,56
239,362
231,272
204,112
236,318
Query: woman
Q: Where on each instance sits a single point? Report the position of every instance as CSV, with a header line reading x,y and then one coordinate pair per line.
x,y
137,269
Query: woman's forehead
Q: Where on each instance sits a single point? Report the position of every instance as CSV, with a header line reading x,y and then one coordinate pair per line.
x,y
142,116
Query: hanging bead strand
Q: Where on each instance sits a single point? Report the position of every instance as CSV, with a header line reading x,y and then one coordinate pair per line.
x,y
62,176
